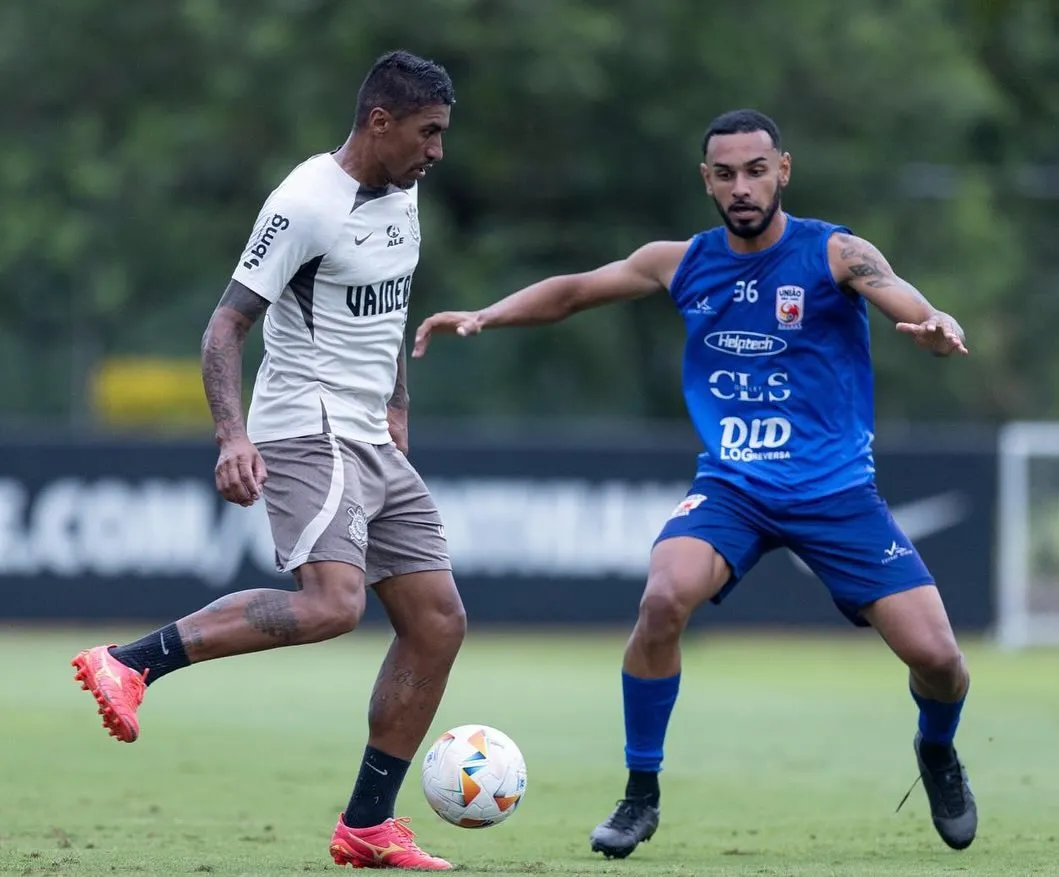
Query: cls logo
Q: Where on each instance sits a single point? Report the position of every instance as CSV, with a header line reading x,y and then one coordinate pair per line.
x,y
393,232
737,385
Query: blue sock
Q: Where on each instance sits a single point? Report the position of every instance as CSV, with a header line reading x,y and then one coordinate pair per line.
x,y
937,720
648,705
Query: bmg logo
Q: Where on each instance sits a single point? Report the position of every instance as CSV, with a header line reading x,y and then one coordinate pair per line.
x,y
263,240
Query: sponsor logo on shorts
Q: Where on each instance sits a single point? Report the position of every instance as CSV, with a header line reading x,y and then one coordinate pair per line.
x,y
358,526
895,552
739,343
686,505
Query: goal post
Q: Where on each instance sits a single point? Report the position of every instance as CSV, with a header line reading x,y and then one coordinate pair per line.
x,y
1027,573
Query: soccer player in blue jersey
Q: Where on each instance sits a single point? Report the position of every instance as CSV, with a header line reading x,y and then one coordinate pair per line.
x,y
778,383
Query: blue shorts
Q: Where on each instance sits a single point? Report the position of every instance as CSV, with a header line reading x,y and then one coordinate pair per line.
x,y
849,539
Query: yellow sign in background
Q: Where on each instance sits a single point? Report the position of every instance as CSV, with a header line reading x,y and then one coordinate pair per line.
x,y
143,391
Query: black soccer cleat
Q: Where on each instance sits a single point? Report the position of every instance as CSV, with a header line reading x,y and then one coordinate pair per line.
x,y
952,805
633,821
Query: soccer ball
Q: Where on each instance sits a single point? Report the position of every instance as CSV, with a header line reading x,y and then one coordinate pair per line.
x,y
474,776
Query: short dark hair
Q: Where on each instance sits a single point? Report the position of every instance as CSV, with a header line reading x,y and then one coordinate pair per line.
x,y
402,83
742,122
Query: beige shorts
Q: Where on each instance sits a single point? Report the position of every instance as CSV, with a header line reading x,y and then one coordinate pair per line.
x,y
329,498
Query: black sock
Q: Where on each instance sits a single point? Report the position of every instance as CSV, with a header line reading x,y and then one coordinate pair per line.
x,y
375,794
937,755
643,784
159,653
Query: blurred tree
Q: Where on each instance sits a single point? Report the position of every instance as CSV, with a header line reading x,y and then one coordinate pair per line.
x,y
143,139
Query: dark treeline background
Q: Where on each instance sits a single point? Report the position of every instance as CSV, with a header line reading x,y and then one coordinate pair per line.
x,y
138,141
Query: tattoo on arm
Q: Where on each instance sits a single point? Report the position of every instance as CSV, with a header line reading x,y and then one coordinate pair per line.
x,y
244,301
863,260
222,356
271,612
868,267
399,399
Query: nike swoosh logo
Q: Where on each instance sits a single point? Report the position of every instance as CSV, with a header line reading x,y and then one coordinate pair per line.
x,y
359,241
161,637
922,518
380,772
925,517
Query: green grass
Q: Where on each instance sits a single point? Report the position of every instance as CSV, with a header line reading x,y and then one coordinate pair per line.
x,y
785,757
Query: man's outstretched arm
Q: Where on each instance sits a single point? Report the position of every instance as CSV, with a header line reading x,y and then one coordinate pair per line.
x,y
650,269
859,266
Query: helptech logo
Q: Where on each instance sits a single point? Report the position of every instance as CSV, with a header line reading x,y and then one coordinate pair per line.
x,y
740,343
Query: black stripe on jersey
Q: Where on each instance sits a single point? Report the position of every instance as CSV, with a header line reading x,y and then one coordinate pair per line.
x,y
302,285
367,193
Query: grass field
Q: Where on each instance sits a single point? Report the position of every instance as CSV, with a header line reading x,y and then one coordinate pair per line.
x,y
786,757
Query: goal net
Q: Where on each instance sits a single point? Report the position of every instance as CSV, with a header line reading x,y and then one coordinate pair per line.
x,y
1028,535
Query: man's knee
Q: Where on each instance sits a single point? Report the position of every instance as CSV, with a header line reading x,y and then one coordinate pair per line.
x,y
684,573
446,625
333,595
940,663
915,625
426,611
664,609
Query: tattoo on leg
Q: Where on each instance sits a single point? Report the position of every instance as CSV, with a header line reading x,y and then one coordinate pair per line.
x,y
408,679
222,603
271,613
191,636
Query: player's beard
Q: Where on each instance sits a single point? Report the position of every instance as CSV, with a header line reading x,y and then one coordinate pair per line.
x,y
408,179
750,230
401,179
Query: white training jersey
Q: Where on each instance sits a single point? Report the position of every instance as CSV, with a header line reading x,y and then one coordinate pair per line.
x,y
335,259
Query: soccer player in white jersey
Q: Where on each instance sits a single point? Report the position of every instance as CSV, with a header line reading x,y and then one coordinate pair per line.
x,y
329,266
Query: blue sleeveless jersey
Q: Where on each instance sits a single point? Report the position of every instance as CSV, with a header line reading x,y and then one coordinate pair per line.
x,y
777,367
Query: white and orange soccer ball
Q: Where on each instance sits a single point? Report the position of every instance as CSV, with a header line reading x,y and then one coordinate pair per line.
x,y
474,776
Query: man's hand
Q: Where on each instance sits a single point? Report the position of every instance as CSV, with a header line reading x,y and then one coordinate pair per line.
x,y
240,472
397,418
940,334
454,322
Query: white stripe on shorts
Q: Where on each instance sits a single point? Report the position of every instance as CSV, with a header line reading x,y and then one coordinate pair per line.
x,y
315,529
